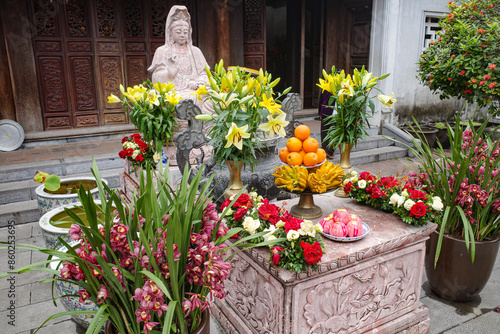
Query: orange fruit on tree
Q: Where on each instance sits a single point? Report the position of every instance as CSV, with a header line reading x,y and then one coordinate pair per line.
x,y
283,154
310,159
294,144
310,145
302,132
294,159
321,155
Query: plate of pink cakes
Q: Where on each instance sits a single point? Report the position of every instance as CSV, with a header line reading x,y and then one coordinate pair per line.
x,y
342,226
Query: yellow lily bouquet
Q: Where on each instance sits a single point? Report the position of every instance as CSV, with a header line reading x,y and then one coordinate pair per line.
x,y
245,112
151,109
349,100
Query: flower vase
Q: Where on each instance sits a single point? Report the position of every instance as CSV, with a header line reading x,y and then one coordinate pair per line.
x,y
345,164
235,184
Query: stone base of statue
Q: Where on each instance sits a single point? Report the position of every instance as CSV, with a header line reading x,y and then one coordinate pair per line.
x,y
370,285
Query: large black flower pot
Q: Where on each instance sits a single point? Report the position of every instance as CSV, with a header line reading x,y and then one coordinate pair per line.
x,y
455,277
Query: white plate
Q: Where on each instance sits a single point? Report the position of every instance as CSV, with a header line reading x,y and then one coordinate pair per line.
x,y
11,135
366,230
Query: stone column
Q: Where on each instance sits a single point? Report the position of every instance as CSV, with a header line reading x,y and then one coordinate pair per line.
x,y
223,32
7,109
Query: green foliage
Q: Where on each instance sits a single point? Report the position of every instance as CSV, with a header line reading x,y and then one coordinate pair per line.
x,y
464,61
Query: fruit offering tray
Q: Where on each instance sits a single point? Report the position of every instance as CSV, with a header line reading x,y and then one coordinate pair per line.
x,y
308,167
366,230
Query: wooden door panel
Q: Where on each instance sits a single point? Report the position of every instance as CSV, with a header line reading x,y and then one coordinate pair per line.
x,y
82,75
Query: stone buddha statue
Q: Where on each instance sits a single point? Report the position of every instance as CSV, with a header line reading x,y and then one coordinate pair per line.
x,y
178,60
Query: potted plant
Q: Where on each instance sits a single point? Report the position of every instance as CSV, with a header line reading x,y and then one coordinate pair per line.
x,y
56,192
464,61
154,269
245,114
467,239
350,99
426,132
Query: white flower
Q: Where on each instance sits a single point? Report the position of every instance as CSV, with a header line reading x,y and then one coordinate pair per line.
x,y
318,228
437,204
355,179
362,184
301,231
292,235
346,181
409,204
270,231
229,212
354,173
156,157
405,193
401,200
135,154
251,225
271,237
307,226
253,195
394,199
311,234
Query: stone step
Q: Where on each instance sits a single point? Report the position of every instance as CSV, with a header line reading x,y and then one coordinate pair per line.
x,y
18,191
375,154
19,212
60,167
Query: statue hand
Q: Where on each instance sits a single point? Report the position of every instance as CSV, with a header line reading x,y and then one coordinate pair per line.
x,y
173,59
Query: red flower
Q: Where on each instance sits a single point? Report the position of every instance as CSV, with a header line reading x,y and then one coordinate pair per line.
x,y
122,154
367,176
124,139
139,158
129,152
480,31
487,77
493,84
243,200
418,210
135,135
225,204
375,191
462,73
240,213
473,81
348,187
389,181
312,253
481,83
417,194
492,66
269,212
450,79
276,254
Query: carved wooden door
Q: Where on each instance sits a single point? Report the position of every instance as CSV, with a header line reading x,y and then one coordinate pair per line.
x,y
85,49
254,44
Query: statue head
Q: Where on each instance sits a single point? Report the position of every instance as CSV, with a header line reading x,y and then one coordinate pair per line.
x,y
178,26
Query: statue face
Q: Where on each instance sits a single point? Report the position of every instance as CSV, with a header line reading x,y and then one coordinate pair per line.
x,y
180,33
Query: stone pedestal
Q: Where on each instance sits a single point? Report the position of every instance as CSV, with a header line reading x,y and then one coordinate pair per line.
x,y
371,285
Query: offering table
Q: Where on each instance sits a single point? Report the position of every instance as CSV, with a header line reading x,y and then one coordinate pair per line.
x,y
368,286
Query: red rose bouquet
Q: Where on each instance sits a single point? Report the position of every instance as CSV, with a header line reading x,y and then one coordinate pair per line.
x,y
138,152
294,243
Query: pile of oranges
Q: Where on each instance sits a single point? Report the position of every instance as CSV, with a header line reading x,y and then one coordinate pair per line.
x,y
302,149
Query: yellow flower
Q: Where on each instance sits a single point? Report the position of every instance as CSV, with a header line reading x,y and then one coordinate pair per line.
x,y
270,105
173,98
202,90
113,99
235,136
163,88
387,101
347,89
324,85
275,125
224,99
152,98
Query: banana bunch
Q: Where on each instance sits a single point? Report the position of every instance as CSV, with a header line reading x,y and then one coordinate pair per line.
x,y
326,177
292,178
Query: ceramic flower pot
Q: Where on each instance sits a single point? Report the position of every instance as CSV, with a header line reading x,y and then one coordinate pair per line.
x,y
428,133
66,193
203,328
455,277
56,223
235,184
70,303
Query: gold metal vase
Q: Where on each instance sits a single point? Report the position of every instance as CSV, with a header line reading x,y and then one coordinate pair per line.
x,y
345,164
235,184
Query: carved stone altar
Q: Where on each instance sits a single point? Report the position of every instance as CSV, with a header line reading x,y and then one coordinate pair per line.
x,y
371,285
